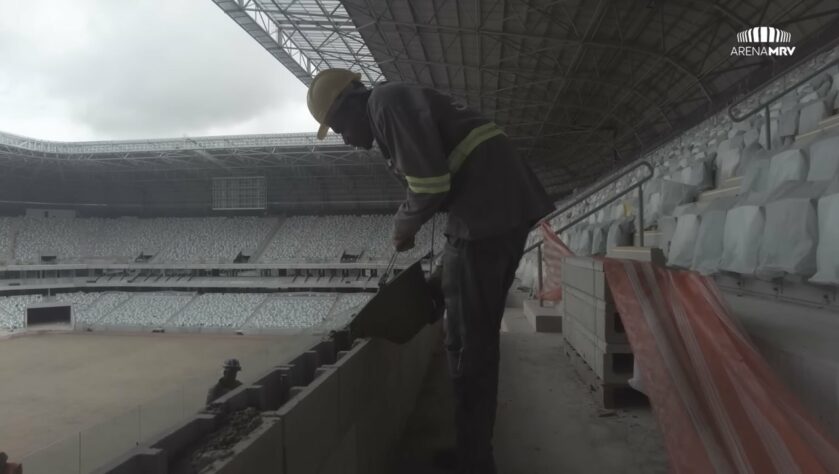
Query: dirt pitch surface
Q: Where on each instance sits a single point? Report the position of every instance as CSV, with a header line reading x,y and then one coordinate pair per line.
x,y
55,385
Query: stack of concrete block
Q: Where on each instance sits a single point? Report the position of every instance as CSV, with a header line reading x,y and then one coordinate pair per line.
x,y
594,336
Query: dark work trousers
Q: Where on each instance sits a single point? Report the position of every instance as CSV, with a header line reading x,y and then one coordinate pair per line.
x,y
476,277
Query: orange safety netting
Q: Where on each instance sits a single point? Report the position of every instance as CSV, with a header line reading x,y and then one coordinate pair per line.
x,y
553,249
720,406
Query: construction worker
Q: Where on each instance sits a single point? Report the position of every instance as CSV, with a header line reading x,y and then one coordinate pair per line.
x,y
452,158
227,382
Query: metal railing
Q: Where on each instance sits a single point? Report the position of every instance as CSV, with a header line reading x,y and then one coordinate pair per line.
x,y
765,106
640,216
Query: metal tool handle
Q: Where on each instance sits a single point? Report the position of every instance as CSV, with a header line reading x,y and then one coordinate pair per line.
x,y
388,270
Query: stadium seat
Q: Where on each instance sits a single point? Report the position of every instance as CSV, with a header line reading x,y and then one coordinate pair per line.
x,y
824,159
582,242
683,242
790,232
709,240
728,164
674,194
756,177
789,165
827,252
599,237
742,235
811,115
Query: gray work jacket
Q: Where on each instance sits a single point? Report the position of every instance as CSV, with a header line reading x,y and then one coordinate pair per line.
x,y
452,159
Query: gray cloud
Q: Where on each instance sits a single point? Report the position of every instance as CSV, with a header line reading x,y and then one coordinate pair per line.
x,y
145,69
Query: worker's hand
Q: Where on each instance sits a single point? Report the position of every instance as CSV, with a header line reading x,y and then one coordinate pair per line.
x,y
403,244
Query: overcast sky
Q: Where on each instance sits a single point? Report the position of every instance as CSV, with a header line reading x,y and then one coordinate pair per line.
x,y
114,69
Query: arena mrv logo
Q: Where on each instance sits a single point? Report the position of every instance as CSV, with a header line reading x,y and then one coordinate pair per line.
x,y
763,41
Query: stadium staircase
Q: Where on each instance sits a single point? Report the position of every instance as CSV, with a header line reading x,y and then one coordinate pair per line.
x,y
246,320
181,309
267,240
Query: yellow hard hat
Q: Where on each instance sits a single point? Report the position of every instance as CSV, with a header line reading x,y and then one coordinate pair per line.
x,y
324,89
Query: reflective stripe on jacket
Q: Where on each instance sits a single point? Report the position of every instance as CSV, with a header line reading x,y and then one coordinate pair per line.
x,y
452,158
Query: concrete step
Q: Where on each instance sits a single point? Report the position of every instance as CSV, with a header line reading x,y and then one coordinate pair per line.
x,y
652,238
543,318
642,254
732,181
719,193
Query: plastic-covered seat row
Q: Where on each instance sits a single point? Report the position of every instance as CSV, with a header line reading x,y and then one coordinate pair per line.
x,y
794,230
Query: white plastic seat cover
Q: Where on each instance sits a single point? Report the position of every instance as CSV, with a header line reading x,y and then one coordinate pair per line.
x,y
791,230
674,194
728,164
697,174
599,236
582,242
824,159
788,125
742,236
789,165
755,177
683,242
827,252
812,113
709,239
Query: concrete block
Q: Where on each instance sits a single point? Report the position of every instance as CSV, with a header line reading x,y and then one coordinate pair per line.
x,y
598,317
641,254
611,363
586,275
372,443
310,424
175,440
326,351
275,385
542,318
343,459
136,461
387,364
259,452
351,370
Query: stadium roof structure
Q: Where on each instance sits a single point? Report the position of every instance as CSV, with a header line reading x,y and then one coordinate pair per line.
x,y
304,173
580,85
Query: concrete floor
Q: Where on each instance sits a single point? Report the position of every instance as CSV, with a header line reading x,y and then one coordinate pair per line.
x,y
547,420
54,385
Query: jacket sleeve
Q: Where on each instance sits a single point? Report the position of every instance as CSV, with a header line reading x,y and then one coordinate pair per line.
x,y
412,137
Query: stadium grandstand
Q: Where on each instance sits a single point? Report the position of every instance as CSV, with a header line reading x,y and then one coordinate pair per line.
x,y
694,166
